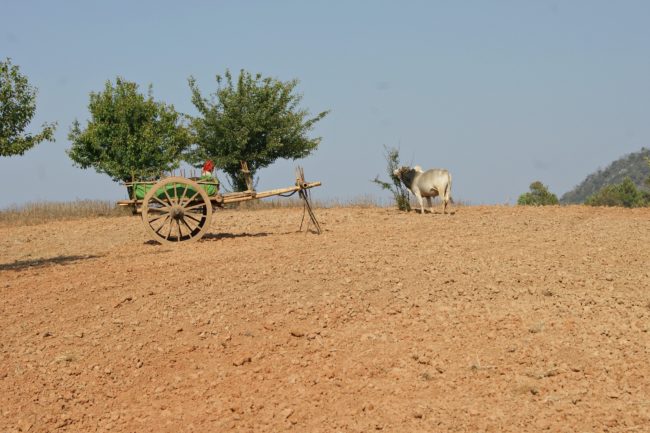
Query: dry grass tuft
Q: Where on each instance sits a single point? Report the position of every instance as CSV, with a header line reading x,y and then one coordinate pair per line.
x,y
361,201
37,213
41,212
295,202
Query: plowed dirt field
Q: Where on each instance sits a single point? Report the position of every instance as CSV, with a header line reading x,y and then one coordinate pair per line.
x,y
494,319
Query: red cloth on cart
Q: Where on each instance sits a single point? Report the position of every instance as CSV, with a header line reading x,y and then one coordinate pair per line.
x,y
208,166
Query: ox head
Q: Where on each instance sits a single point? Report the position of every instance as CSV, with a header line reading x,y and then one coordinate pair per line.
x,y
407,174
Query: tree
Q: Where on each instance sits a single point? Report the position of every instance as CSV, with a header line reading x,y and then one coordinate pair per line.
x,y
129,135
17,109
255,119
395,186
624,194
537,196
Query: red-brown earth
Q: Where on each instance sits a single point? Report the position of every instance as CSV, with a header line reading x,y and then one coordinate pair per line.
x,y
494,319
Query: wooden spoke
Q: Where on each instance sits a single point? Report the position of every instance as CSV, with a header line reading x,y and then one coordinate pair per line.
x,y
190,200
189,229
181,201
159,209
164,223
198,220
178,226
165,205
178,237
171,202
196,206
165,215
180,229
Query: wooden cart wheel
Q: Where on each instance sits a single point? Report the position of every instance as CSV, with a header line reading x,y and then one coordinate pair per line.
x,y
175,210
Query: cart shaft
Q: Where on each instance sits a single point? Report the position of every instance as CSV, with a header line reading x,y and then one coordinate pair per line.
x,y
252,195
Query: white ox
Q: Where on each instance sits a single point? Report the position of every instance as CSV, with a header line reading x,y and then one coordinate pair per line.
x,y
430,183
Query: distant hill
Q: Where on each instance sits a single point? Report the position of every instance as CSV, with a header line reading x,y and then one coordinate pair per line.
x,y
633,166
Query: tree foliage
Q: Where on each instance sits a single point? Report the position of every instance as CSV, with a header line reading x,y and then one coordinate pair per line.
x,y
632,165
538,195
17,109
624,194
395,186
252,119
129,134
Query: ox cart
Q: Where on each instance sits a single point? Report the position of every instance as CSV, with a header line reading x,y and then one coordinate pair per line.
x,y
178,209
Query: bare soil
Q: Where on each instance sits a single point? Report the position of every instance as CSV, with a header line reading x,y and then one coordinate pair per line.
x,y
495,319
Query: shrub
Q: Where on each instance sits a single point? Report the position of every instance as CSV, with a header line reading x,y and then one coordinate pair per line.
x,y
395,186
624,194
539,195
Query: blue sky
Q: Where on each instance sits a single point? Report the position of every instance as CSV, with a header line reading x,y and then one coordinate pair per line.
x,y
501,93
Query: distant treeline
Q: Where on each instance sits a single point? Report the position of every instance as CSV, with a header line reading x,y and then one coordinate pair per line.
x,y
633,166
625,182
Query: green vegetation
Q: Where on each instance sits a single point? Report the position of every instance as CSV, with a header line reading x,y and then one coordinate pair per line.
x,y
252,119
129,134
633,166
624,194
395,186
539,195
17,109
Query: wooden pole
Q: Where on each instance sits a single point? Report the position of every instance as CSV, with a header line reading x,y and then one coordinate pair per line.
x,y
249,195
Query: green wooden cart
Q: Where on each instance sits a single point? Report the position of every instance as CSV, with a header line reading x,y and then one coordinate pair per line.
x,y
179,209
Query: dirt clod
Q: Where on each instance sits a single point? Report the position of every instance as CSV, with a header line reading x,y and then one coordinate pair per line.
x,y
241,361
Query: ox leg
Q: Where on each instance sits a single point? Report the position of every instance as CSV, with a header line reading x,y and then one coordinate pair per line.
x,y
446,197
419,197
430,203
445,202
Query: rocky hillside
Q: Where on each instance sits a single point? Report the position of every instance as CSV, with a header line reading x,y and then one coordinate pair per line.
x,y
634,166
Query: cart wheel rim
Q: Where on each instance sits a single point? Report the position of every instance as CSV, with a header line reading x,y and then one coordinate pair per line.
x,y
176,210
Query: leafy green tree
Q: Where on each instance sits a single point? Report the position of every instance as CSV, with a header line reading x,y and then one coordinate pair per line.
x,y
252,119
395,186
17,109
538,195
624,194
129,134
